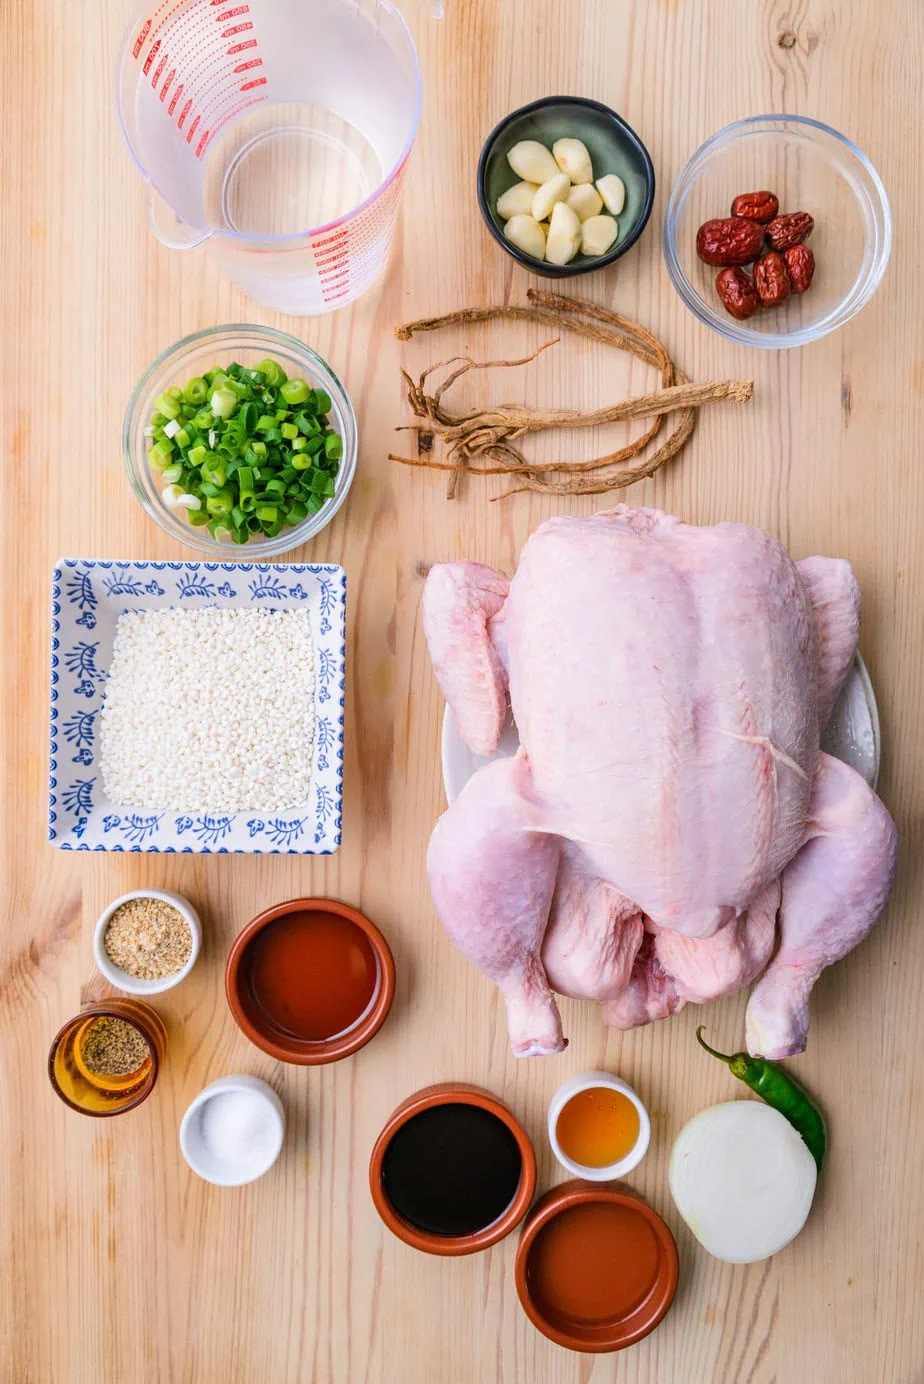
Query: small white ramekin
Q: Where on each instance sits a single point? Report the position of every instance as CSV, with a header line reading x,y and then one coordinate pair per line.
x,y
227,1172
132,985
611,1171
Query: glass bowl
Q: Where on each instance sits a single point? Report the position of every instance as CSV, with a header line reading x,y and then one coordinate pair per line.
x,y
192,356
90,1093
811,168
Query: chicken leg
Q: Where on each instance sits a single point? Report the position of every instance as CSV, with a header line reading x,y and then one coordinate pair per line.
x,y
492,874
593,935
833,892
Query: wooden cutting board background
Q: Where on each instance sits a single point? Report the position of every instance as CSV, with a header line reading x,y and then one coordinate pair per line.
x,y
120,1266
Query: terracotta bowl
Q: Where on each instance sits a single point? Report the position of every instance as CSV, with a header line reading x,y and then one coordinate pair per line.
x,y
593,1325
450,1093
275,1041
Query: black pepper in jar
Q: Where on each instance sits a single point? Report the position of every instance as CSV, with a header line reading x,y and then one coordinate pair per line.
x,y
112,1047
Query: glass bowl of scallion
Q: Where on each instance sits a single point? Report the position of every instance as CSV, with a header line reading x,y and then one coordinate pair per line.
x,y
240,437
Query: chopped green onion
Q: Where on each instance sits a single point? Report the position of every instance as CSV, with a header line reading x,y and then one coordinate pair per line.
x,y
294,391
223,402
195,391
272,372
244,450
162,452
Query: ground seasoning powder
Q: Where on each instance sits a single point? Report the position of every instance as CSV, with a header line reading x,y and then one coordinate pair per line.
x,y
112,1047
148,939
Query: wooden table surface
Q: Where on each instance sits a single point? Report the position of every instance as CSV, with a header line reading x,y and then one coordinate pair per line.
x,y
122,1266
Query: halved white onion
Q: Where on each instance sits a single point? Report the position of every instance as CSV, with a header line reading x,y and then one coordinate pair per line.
x,y
742,1179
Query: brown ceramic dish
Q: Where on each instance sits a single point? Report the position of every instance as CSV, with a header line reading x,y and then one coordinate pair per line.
x,y
596,1267
448,1094
262,1028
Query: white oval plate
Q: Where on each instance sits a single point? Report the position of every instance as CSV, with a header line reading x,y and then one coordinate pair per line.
x,y
852,735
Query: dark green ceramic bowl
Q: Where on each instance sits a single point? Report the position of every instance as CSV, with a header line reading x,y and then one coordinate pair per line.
x,y
614,148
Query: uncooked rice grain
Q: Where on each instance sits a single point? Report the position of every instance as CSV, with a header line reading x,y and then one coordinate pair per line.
x,y
209,711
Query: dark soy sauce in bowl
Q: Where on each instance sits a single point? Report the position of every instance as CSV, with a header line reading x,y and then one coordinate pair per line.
x,y
452,1169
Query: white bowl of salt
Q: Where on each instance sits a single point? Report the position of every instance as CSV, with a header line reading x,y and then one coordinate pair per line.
x,y
232,1132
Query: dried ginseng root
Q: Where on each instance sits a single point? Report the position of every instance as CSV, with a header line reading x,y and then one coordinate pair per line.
x,y
483,441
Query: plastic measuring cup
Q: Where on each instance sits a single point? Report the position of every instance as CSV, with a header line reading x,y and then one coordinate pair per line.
x,y
278,132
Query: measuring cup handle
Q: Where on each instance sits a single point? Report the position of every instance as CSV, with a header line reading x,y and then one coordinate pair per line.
x,y
167,226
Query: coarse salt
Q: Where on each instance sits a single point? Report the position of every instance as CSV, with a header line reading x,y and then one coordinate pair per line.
x,y
209,711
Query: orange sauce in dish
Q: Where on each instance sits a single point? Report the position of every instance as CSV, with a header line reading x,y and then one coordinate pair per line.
x,y
593,1264
598,1126
313,974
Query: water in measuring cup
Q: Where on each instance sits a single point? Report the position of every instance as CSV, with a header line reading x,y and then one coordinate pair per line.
x,y
288,168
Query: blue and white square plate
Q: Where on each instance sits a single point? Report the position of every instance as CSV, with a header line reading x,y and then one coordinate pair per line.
x,y
88,596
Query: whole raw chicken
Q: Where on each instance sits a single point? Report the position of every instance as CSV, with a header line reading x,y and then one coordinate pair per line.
x,y
669,829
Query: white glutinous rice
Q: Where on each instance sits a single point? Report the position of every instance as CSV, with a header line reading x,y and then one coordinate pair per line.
x,y
209,710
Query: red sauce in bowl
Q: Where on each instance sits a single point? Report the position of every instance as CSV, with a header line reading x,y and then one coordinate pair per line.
x,y
312,975
593,1264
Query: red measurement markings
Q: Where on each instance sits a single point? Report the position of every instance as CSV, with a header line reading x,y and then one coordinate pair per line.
x,y
193,28
333,239
332,257
162,24
241,47
192,129
246,66
220,93
167,84
232,14
237,29
145,30
332,270
203,71
230,115
200,147
158,71
257,81
333,265
193,33
174,99
152,54
183,114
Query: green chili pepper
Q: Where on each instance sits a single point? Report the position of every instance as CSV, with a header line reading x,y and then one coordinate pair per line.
x,y
780,1090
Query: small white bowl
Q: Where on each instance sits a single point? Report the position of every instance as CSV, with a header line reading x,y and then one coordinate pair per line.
x,y
232,1172
132,985
611,1171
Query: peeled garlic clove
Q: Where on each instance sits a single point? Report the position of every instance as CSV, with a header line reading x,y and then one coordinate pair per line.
x,y
584,201
527,235
531,160
598,233
613,191
573,158
564,235
516,201
554,191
